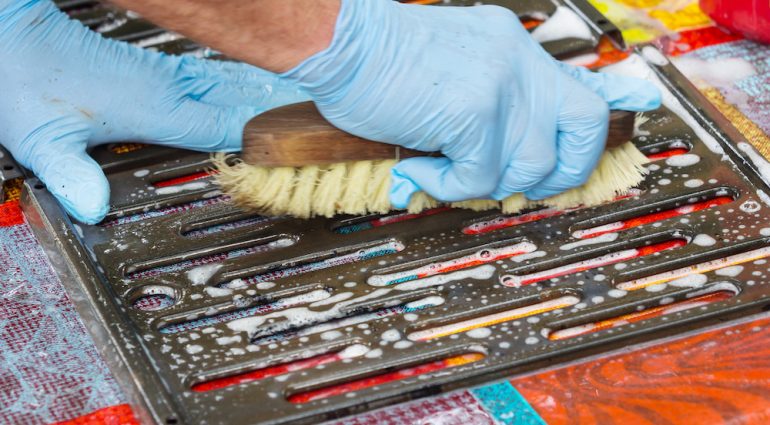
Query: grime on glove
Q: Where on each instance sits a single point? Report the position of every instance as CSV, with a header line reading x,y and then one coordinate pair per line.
x,y
471,83
65,88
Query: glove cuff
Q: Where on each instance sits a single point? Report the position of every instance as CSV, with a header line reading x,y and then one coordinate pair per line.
x,y
357,36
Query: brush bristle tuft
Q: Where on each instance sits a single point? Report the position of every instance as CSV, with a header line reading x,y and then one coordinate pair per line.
x,y
363,187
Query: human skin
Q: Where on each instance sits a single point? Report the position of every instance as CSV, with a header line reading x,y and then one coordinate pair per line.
x,y
276,35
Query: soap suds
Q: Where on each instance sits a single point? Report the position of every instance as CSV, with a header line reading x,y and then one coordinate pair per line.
x,y
607,237
170,190
654,56
730,271
704,240
479,273
635,66
685,160
201,274
564,23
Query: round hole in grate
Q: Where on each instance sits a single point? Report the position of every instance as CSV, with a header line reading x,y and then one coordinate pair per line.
x,y
154,298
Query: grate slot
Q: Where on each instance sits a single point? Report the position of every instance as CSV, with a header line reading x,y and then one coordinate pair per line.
x,y
307,360
312,263
245,320
716,293
472,257
225,222
307,323
193,320
198,259
660,211
359,224
150,213
618,256
720,263
502,222
469,325
398,374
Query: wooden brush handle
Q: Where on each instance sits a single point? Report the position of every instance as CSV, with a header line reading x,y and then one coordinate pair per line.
x,y
298,135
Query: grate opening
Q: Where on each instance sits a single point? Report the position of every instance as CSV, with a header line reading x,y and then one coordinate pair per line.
x,y
326,322
488,225
671,208
118,219
716,293
720,263
306,361
224,223
226,313
312,263
203,264
359,224
154,298
619,255
667,149
473,257
479,323
183,179
385,377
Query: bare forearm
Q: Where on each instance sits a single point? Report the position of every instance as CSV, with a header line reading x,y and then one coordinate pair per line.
x,y
273,34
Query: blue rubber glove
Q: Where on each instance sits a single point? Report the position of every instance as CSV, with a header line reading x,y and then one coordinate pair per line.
x,y
65,88
471,83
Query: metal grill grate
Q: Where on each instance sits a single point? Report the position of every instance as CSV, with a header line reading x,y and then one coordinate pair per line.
x,y
214,315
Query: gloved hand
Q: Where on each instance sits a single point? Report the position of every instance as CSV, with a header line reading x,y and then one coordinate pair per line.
x,y
471,83
65,88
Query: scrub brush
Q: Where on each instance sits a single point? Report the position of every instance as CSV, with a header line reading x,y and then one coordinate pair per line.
x,y
296,163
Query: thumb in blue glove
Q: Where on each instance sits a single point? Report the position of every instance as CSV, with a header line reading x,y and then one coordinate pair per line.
x,y
66,88
472,84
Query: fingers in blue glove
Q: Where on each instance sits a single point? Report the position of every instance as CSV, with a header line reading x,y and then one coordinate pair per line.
x,y
583,123
68,172
620,92
442,178
530,164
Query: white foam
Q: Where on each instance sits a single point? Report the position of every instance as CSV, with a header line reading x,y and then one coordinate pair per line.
x,y
684,160
479,333
479,273
759,161
356,350
564,23
731,271
333,299
226,340
194,349
607,237
201,274
391,335
528,256
654,56
693,183
263,285
218,292
400,345
691,281
635,66
170,190
717,73
703,240
331,335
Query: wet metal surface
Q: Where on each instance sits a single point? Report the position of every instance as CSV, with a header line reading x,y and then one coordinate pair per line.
x,y
206,304
209,314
